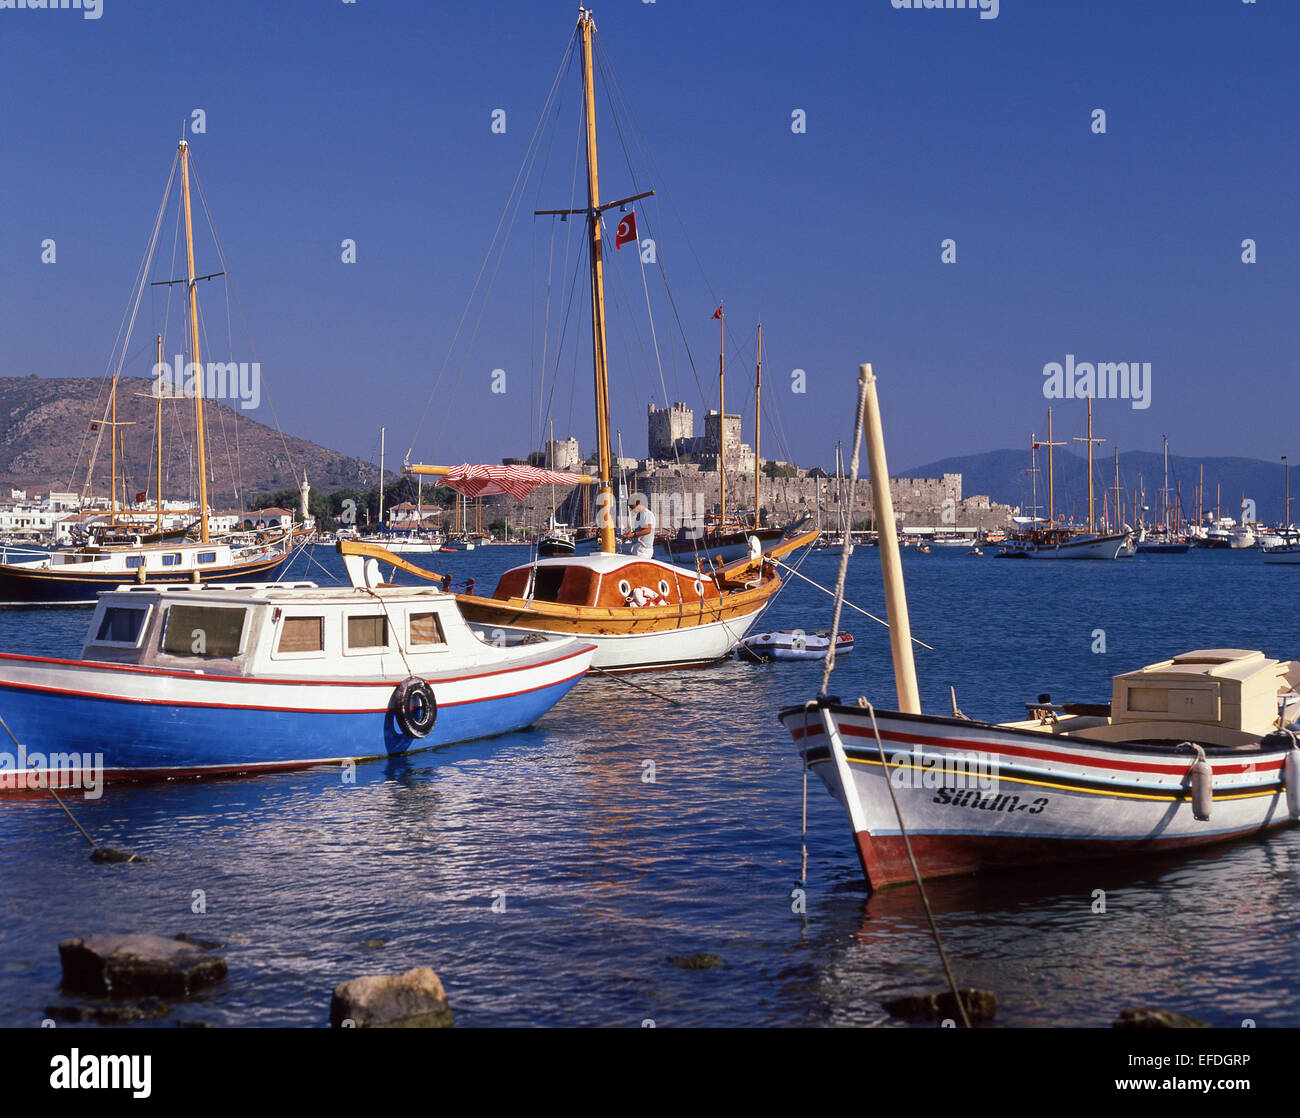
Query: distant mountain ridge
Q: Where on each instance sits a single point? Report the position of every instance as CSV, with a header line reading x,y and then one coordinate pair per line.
x,y
46,442
1004,476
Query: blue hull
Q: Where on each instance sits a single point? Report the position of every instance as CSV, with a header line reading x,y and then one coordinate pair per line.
x,y
163,740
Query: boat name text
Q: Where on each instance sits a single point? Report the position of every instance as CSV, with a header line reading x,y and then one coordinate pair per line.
x,y
966,798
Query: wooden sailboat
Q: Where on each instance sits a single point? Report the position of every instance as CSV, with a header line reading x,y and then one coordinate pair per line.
x,y
641,613
77,576
1059,541
1194,750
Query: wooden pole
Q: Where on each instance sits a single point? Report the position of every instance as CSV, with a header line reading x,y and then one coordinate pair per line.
x,y
891,560
200,437
600,367
758,425
722,418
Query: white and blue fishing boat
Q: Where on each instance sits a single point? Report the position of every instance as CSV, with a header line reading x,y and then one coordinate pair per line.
x,y
180,681
791,644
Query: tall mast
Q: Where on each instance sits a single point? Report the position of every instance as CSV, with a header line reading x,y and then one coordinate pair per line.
x,y
722,418
200,436
1051,474
157,422
1089,440
382,432
1286,514
586,26
1033,473
1165,490
758,424
1117,510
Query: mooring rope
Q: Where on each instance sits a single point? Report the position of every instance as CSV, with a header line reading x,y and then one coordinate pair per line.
x,y
628,683
115,855
828,590
841,576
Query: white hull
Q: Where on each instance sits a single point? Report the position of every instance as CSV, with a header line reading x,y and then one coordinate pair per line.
x,y
671,648
1087,547
975,796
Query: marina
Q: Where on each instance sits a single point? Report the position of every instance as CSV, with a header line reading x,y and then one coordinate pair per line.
x,y
463,583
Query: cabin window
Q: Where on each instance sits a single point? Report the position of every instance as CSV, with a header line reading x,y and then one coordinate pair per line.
x,y
368,631
426,629
120,625
302,634
132,561
207,556
213,632
546,583
171,559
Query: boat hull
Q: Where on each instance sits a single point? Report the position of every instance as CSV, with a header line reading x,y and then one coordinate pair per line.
x,y
147,723
977,797
53,586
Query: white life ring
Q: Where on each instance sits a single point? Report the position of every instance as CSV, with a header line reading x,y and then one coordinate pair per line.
x,y
644,596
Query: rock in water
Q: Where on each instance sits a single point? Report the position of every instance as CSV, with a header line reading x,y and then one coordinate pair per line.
x,y
980,1005
414,1000
137,965
1157,1019
703,960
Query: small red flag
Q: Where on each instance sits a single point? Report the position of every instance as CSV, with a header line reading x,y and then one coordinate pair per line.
x,y
139,498
94,426
626,231
718,312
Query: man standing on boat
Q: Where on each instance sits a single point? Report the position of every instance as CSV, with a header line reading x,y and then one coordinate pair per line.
x,y
643,528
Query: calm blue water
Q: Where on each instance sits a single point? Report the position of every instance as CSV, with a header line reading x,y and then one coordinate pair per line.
x,y
603,875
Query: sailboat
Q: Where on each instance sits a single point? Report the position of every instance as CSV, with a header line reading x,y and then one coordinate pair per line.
x,y
76,576
1060,541
640,612
721,539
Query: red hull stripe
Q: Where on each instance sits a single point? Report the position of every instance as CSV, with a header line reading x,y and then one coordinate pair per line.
x,y
849,730
97,666
884,857
273,709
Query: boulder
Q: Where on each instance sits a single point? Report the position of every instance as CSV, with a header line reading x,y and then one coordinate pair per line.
x,y
116,1013
702,960
1133,1018
414,1000
980,1005
126,966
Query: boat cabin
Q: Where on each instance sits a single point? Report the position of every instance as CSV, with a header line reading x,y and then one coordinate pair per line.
x,y
607,580
1230,697
295,630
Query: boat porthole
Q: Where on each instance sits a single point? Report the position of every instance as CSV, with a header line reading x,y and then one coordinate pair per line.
x,y
699,588
664,588
624,588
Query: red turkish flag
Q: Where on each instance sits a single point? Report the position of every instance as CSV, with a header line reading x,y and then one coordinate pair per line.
x,y
717,313
626,231
139,498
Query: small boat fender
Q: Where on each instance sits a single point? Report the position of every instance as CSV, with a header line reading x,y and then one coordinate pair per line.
x,y
414,707
1291,776
1201,777
645,596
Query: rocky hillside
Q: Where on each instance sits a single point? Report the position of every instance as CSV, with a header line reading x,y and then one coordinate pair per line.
x,y
47,443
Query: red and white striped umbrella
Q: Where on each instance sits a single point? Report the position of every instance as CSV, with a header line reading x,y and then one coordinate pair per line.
x,y
518,481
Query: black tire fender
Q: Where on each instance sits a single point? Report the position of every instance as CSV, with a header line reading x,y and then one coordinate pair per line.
x,y
414,707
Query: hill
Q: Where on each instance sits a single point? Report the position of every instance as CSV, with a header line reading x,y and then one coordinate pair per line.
x,y
47,443
1004,476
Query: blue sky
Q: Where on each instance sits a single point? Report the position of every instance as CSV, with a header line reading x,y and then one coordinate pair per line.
x,y
327,120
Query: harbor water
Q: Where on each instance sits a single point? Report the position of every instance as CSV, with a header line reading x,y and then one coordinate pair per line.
x,y
554,877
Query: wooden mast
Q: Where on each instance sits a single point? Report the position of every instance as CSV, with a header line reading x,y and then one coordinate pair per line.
x,y
1089,440
722,418
191,283
157,496
1118,517
1051,473
758,425
586,25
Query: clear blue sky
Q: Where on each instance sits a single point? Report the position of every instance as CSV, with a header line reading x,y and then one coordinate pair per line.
x,y
328,120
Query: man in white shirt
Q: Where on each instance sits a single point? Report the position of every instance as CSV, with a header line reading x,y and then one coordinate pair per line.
x,y
642,534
